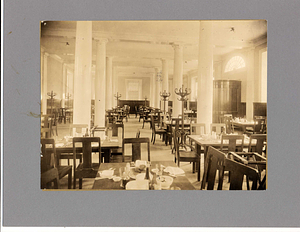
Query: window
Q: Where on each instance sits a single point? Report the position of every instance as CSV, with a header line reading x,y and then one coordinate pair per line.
x,y
133,89
235,62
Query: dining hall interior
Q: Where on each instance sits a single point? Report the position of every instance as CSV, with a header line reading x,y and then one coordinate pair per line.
x,y
163,105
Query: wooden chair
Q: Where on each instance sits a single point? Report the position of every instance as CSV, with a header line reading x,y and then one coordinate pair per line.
x,y
259,126
136,147
197,129
156,131
216,162
230,143
257,143
51,160
254,160
186,156
62,115
146,118
237,173
115,133
86,169
219,128
54,124
48,177
45,133
228,124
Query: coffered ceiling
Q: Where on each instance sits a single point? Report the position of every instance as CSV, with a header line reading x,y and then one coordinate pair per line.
x,y
138,46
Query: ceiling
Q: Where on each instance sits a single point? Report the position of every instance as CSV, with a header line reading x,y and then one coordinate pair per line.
x,y
138,46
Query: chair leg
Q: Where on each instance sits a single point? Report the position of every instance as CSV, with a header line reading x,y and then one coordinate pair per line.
x,y
80,183
70,179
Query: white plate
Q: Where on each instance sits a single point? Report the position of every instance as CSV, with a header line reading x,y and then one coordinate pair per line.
x,y
137,185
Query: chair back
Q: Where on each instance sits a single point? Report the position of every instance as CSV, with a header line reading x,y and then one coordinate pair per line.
x,y
45,133
176,138
214,163
86,144
48,155
198,128
257,143
259,125
234,142
217,127
136,147
237,173
115,130
228,124
78,130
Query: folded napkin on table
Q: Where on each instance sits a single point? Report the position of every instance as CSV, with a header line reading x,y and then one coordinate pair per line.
x,y
174,171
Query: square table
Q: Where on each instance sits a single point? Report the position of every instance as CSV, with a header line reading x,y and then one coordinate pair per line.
x,y
243,125
108,184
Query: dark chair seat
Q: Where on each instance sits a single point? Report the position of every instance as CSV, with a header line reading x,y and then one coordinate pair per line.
x,y
185,155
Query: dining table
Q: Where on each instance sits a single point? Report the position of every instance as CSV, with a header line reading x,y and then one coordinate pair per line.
x,y
64,149
243,124
180,182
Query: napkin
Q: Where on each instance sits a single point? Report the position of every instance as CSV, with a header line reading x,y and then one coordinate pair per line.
x,y
174,171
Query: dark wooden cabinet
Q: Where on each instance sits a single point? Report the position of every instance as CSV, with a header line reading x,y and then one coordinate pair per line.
x,y
226,98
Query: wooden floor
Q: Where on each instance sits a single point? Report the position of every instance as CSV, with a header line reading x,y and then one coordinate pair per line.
x,y
158,152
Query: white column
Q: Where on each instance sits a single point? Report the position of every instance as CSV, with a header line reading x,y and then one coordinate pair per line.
x,y
165,81
63,96
177,78
44,74
153,90
82,74
114,87
205,75
157,89
100,83
109,82
250,84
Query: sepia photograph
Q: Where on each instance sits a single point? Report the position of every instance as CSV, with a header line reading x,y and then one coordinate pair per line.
x,y
154,105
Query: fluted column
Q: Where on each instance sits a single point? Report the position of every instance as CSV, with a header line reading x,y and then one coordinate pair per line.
x,y
205,75
82,75
100,83
109,82
177,77
44,74
250,84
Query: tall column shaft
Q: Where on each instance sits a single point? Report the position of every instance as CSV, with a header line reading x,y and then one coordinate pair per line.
x,y
205,75
152,93
82,74
177,78
250,84
157,89
108,82
63,96
114,87
165,81
100,83
44,74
